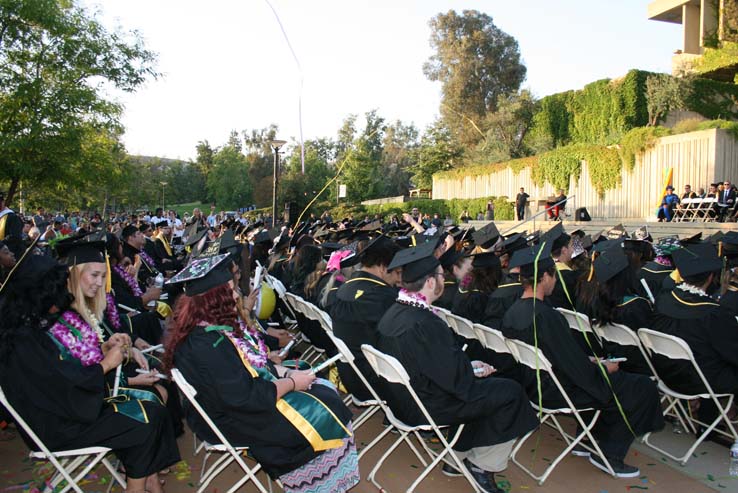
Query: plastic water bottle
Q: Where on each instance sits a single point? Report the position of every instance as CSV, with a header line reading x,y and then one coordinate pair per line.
x,y
159,283
733,472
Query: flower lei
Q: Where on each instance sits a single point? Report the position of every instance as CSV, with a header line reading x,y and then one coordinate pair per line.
x,y
112,311
82,341
132,283
251,345
415,299
147,258
664,260
692,289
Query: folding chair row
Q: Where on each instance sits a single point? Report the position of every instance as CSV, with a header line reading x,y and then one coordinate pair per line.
x,y
66,462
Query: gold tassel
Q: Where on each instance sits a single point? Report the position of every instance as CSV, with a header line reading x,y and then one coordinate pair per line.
x,y
108,277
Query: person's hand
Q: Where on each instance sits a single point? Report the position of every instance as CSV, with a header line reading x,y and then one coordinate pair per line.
x,y
141,344
610,366
482,369
284,336
139,358
117,340
275,357
303,379
114,357
249,302
145,379
152,293
407,218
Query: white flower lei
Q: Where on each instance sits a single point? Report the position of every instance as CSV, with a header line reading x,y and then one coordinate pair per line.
x,y
692,289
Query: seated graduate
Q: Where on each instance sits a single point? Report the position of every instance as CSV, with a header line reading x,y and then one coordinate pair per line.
x,y
471,299
608,297
585,380
510,289
339,267
454,389
360,303
164,255
662,266
53,368
295,425
710,330
564,293
456,266
729,282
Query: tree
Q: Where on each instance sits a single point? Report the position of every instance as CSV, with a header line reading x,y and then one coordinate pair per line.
x,y
260,158
665,93
507,129
299,188
477,63
438,151
398,146
362,172
55,61
229,181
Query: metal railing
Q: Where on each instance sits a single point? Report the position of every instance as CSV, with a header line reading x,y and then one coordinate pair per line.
x,y
534,216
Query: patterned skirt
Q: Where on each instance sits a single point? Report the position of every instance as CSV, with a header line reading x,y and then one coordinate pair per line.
x,y
334,471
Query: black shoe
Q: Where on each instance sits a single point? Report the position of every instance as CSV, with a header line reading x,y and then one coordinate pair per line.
x,y
622,470
485,480
450,471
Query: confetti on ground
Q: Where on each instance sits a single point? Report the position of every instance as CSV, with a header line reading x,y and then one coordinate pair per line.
x,y
182,472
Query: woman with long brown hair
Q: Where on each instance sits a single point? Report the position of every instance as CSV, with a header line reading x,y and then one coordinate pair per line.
x,y
295,425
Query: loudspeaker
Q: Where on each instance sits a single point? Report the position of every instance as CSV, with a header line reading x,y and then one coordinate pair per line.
x,y
290,212
581,214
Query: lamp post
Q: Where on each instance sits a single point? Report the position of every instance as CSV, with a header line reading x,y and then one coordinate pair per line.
x,y
163,184
275,144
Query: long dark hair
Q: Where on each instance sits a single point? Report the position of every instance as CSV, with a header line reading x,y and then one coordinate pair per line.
x,y
600,300
27,300
306,261
485,279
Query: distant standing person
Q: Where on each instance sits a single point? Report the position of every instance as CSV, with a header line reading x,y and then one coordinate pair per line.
x,y
490,214
521,200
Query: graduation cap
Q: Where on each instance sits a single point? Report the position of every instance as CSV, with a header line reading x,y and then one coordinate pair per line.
x,y
610,263
533,238
328,248
691,239
450,257
587,243
380,241
578,233
666,246
642,234
599,237
486,236
577,247
372,226
717,237
513,242
193,239
416,262
345,256
485,259
606,245
203,274
263,238
81,250
556,237
697,258
617,232
525,258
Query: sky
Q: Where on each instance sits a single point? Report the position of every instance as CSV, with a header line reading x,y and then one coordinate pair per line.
x,y
226,65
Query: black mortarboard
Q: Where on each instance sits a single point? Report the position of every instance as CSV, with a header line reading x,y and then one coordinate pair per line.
x,y
617,232
328,248
194,238
450,257
485,259
378,242
606,245
81,250
587,243
697,258
610,263
486,236
556,237
297,233
262,237
598,237
578,232
513,242
691,239
717,236
415,262
404,241
203,274
353,258
372,226
526,259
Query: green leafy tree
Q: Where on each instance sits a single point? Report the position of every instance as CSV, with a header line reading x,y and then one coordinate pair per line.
x,y
665,93
437,151
302,188
362,172
476,62
229,180
398,156
507,129
56,60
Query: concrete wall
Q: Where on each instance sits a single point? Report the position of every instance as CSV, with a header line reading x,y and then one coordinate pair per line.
x,y
698,159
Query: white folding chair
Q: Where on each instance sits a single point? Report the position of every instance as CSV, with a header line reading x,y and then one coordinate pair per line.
x,y
624,336
676,348
228,452
66,462
392,370
535,359
460,325
492,339
370,406
579,322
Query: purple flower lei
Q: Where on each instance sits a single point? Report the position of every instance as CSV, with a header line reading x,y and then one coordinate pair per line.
x,y
132,283
112,311
78,337
146,258
251,345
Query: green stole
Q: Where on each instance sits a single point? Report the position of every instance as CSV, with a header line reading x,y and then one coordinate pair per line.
x,y
308,414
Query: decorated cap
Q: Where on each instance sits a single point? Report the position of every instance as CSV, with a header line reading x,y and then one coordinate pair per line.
x,y
617,232
696,259
203,274
577,246
526,259
486,236
666,246
416,262
483,260
610,263
81,250
642,234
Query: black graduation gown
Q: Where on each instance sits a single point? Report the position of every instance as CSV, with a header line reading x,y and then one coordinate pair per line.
x,y
583,380
360,303
495,410
710,330
450,288
729,301
164,260
654,274
558,297
146,271
62,401
13,234
145,324
244,408
499,302
470,304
